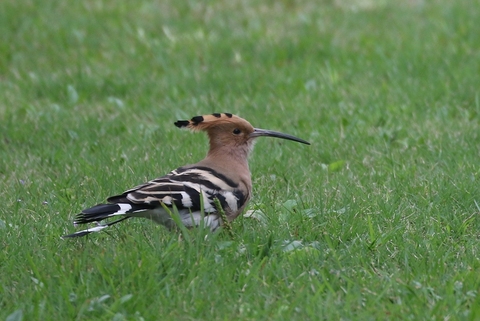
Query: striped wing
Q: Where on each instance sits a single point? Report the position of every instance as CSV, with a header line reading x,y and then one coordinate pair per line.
x,y
187,188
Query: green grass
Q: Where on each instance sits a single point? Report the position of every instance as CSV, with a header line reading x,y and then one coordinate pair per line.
x,y
378,219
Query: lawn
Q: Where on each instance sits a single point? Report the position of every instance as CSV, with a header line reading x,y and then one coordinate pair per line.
x,y
379,219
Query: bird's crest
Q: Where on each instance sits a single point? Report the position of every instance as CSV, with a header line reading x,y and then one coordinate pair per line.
x,y
205,122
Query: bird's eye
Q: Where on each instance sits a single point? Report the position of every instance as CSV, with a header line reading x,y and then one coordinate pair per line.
x,y
236,131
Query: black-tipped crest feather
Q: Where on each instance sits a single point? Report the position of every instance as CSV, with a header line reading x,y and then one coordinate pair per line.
x,y
202,122
182,123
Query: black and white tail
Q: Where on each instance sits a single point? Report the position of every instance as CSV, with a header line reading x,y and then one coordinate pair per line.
x,y
101,212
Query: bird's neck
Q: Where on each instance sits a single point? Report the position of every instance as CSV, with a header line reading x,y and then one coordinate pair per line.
x,y
233,163
233,159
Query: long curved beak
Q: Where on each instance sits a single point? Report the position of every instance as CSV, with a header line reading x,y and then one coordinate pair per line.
x,y
257,132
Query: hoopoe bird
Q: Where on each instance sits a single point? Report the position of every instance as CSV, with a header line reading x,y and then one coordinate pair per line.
x,y
191,192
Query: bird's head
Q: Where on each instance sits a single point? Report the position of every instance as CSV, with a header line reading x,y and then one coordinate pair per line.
x,y
231,131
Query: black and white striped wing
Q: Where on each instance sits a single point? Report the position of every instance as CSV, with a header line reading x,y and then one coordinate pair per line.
x,y
191,189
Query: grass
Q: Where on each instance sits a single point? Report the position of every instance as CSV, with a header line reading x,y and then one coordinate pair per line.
x,y
377,219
